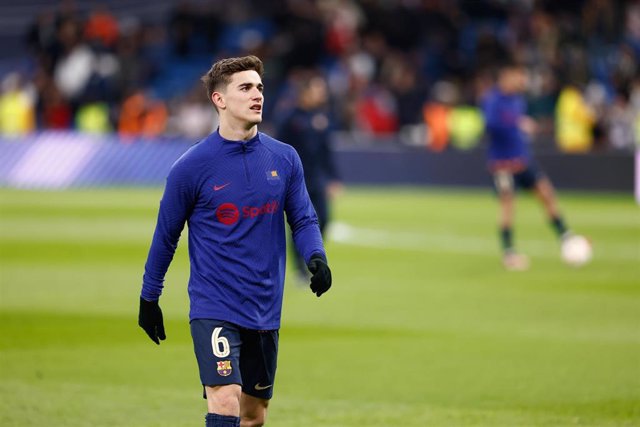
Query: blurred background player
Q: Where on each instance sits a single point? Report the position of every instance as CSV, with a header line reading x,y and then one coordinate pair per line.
x,y
509,130
307,127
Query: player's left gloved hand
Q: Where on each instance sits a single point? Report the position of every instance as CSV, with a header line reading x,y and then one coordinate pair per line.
x,y
321,279
150,319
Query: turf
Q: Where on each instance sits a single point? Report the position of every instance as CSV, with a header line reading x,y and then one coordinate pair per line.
x,y
422,327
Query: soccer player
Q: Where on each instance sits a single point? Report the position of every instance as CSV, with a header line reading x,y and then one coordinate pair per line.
x,y
233,189
510,162
307,127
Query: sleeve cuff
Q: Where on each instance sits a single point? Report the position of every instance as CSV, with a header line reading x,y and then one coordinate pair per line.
x,y
318,255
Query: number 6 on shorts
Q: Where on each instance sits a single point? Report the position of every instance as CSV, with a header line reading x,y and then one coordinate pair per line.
x,y
220,345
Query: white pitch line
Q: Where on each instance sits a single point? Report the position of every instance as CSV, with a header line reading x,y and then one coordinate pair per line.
x,y
420,241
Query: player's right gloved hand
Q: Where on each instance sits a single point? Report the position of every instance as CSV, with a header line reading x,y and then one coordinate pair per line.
x,y
150,319
321,279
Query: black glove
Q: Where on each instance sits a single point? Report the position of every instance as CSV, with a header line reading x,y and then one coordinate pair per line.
x,y
150,319
321,279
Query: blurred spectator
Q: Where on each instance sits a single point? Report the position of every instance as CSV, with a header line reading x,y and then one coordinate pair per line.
x,y
381,58
93,118
56,112
74,67
101,29
634,101
574,121
399,74
436,118
142,116
342,19
376,111
16,107
193,116
620,122
436,115
467,126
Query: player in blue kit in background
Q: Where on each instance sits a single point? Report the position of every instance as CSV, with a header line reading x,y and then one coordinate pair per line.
x,y
307,128
508,129
233,189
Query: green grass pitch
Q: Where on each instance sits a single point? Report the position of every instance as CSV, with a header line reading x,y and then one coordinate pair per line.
x,y
422,327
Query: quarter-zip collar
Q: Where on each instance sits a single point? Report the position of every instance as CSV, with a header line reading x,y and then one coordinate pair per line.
x,y
230,146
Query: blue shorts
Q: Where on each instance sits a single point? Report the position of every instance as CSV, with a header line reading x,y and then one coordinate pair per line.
x,y
507,181
229,354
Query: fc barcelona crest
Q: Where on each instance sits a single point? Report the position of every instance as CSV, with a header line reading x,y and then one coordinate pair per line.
x,y
224,368
272,175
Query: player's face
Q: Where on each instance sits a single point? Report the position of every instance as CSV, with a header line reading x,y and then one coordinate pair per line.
x,y
514,80
520,80
317,92
242,99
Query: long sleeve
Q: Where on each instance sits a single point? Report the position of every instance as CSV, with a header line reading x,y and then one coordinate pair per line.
x,y
301,215
175,207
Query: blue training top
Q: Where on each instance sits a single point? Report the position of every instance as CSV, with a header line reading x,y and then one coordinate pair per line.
x,y
233,195
508,145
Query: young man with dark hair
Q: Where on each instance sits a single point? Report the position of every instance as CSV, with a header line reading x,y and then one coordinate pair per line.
x,y
510,162
233,188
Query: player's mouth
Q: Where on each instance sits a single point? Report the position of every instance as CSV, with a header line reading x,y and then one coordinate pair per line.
x,y
257,107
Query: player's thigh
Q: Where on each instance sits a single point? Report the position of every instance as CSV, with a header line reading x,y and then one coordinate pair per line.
x,y
217,346
253,410
258,362
504,183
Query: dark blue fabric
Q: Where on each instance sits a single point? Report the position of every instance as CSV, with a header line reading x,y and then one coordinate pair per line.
x,y
234,195
525,179
502,114
528,178
215,420
309,132
251,360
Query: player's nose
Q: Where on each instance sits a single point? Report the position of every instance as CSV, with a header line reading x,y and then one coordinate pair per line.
x,y
257,95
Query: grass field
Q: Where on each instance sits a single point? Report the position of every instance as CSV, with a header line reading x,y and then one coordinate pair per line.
x,y
422,327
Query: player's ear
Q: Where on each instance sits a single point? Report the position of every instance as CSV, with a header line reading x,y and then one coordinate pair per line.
x,y
218,100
